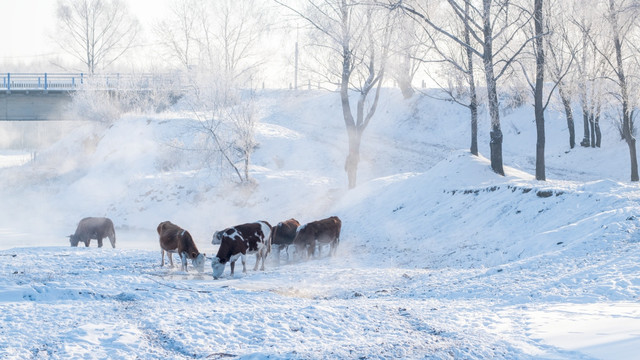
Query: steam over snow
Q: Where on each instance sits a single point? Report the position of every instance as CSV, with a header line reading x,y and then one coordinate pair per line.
x,y
439,257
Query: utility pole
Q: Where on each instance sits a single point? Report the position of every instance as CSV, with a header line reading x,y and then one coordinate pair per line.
x,y
295,80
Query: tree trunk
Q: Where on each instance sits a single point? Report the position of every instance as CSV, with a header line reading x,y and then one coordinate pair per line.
x,y
405,78
473,104
596,129
585,119
351,163
627,131
566,103
539,107
492,92
592,127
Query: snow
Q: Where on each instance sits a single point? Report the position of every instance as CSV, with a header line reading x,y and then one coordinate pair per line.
x,y
439,257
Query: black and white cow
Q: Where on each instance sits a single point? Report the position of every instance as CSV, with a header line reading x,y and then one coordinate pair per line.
x,y
239,241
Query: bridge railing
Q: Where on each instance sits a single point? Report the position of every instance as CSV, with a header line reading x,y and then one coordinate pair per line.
x,y
73,81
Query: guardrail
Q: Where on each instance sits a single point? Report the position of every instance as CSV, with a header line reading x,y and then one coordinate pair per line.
x,y
73,81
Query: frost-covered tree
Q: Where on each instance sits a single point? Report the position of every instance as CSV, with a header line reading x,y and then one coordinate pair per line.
x,y
354,38
494,27
179,33
622,17
457,66
95,32
217,45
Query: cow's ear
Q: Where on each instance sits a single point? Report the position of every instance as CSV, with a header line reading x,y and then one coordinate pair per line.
x,y
193,255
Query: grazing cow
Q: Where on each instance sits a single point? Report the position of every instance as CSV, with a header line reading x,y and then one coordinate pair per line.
x,y
239,241
283,234
93,228
321,232
174,239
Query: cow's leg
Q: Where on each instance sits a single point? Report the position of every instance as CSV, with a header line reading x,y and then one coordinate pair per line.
x,y
183,259
277,254
162,260
87,242
112,239
99,242
258,256
243,257
170,255
232,265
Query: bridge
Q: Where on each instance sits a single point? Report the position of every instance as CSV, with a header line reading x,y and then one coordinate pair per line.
x,y
47,96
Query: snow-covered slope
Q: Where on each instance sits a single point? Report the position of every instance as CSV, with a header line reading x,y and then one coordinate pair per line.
x,y
439,256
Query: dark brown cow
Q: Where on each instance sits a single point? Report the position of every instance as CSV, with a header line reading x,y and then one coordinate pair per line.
x,y
174,239
321,232
239,241
93,228
282,235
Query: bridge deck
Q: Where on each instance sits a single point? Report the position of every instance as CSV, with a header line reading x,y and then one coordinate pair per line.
x,y
72,81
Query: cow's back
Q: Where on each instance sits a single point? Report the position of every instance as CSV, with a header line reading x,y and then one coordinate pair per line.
x,y
168,235
285,232
95,226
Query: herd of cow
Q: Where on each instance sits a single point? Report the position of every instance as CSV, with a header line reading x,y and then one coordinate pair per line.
x,y
235,242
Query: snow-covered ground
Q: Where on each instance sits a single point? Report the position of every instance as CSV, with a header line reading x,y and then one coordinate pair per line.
x,y
439,257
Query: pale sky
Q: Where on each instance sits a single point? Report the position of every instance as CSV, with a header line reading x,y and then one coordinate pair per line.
x,y
26,27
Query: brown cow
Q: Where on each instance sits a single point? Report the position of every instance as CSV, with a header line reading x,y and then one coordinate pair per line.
x,y
93,228
321,232
239,241
174,239
283,234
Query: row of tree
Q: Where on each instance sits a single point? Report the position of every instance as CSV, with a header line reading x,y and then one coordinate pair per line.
x,y
573,50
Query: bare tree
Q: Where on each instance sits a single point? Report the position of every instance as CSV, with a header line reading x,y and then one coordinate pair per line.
x,y
179,33
493,26
562,49
459,65
356,37
407,53
95,32
230,39
621,17
590,62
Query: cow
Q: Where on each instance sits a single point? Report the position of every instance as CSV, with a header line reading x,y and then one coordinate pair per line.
x,y
283,234
321,232
239,241
93,228
174,239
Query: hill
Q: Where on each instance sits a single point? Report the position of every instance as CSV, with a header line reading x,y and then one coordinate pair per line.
x,y
439,256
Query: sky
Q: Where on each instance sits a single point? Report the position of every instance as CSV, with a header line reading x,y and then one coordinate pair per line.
x,y
27,27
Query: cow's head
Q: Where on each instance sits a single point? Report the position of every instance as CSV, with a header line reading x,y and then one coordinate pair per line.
x,y
73,240
217,266
217,238
198,262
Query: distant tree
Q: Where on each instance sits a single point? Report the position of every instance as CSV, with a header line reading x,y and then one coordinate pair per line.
x,y
355,38
541,34
407,53
179,32
622,17
95,32
493,26
217,44
458,63
591,69
562,48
